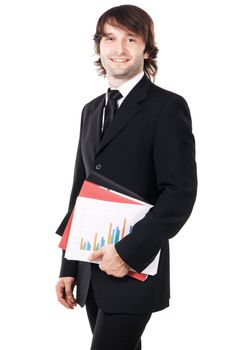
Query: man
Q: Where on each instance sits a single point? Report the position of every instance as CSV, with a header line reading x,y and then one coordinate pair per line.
x,y
148,148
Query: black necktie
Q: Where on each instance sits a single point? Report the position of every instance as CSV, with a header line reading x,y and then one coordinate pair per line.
x,y
111,107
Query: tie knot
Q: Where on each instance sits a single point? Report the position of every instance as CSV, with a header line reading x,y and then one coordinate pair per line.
x,y
114,95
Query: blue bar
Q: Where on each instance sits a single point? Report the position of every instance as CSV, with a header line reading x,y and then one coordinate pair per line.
x,y
88,246
130,230
117,237
102,241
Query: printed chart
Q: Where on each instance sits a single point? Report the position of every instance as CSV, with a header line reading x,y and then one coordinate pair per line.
x,y
112,236
98,223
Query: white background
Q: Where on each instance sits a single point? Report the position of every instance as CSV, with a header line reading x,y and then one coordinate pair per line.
x,y
46,76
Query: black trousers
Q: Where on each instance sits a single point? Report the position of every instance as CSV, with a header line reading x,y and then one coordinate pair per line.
x,y
114,331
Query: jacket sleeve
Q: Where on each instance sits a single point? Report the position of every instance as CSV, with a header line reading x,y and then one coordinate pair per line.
x,y
78,178
176,179
69,267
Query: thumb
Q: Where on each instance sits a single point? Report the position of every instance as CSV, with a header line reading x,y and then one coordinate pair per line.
x,y
69,286
96,255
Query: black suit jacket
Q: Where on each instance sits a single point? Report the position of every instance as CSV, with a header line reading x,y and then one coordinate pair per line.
x,y
149,149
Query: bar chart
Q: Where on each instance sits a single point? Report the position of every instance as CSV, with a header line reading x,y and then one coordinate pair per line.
x,y
97,223
112,236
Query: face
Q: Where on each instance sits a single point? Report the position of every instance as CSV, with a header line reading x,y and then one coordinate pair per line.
x,y
121,53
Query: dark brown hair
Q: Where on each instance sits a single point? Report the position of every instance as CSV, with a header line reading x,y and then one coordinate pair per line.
x,y
139,22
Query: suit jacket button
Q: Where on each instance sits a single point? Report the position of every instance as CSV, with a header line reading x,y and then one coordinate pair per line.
x,y
98,166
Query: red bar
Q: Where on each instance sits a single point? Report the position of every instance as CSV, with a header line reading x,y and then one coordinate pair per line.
x,y
123,230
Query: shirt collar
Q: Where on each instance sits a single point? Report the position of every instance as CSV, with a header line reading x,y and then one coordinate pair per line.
x,y
125,88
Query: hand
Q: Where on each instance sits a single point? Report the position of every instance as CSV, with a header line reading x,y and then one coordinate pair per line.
x,y
64,291
111,262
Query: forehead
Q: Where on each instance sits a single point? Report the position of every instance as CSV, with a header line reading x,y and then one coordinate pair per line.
x,y
118,30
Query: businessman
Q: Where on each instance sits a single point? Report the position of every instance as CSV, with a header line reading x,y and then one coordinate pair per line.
x,y
140,136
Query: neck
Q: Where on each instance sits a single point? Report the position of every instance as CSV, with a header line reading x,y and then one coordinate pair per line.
x,y
115,82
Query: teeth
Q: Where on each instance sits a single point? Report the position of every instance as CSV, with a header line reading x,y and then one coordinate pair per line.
x,y
120,60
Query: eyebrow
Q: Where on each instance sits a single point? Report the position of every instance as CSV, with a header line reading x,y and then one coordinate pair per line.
x,y
128,34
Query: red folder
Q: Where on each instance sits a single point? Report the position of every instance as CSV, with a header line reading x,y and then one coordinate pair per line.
x,y
94,191
65,236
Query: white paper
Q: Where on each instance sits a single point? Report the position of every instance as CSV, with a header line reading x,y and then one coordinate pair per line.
x,y
98,222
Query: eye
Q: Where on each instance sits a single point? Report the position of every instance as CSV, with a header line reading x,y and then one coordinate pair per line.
x,y
131,40
109,38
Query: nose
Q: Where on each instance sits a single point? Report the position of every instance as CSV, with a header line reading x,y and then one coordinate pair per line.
x,y
120,46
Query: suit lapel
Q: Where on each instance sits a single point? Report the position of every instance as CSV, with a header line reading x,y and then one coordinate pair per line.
x,y
94,127
127,111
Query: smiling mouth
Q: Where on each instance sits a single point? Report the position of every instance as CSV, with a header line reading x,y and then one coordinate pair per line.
x,y
119,60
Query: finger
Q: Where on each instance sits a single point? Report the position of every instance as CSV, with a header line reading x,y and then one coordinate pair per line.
x,y
66,300
121,273
62,298
96,255
69,294
71,301
101,267
65,303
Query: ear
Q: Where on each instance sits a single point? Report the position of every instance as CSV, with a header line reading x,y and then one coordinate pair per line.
x,y
146,55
